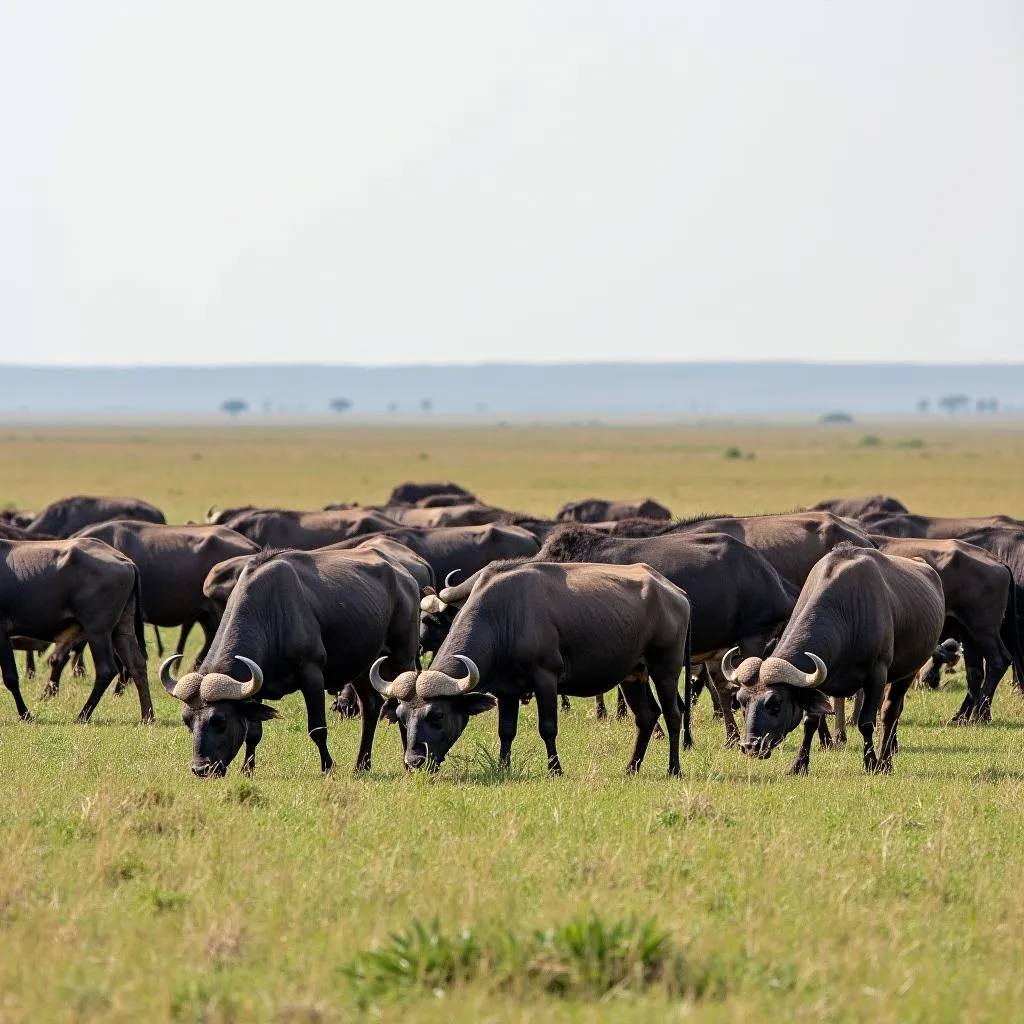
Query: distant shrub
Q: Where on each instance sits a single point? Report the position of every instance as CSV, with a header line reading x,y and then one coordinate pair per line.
x,y
910,442
733,453
870,441
836,417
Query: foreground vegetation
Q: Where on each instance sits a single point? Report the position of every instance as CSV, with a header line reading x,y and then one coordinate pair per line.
x,y
131,890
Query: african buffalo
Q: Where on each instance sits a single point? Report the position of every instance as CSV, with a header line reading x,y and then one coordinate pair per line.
x,y
863,619
69,515
283,528
173,562
411,493
855,508
981,612
542,629
65,589
225,515
305,621
599,510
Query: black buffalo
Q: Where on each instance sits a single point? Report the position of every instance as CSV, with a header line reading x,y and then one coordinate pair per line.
x,y
599,510
280,529
61,590
855,508
174,562
864,619
411,493
69,515
542,629
306,621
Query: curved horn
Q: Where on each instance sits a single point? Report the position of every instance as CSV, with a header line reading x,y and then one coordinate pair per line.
x,y
729,664
432,604
778,670
403,687
220,686
165,673
431,683
209,512
257,676
448,578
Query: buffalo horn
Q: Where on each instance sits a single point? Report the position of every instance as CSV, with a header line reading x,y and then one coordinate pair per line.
x,y
431,684
778,670
184,689
402,688
220,686
729,664
432,604
448,578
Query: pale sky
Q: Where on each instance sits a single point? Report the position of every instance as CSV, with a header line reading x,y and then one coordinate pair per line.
x,y
562,180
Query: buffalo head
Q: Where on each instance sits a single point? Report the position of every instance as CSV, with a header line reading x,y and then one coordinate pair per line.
x,y
433,709
220,712
774,696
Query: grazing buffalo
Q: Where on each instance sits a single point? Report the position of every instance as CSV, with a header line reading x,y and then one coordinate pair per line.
x,y
465,548
174,562
15,517
306,621
542,629
981,613
280,529
863,619
410,493
444,515
935,527
738,598
61,590
792,543
855,508
69,515
599,510
10,532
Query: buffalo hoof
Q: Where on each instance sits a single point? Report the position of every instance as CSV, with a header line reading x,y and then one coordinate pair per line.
x,y
658,733
839,740
828,743
83,717
26,716
732,741
882,768
674,772
798,768
960,720
49,692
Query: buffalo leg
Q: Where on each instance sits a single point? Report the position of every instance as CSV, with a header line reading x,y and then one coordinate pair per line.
x,y
974,670
30,664
58,659
566,706
721,688
825,740
872,694
997,661
620,704
547,722
9,669
839,704
600,708
132,655
891,711
676,718
249,764
638,697
102,648
802,764
508,723
370,703
312,690
160,642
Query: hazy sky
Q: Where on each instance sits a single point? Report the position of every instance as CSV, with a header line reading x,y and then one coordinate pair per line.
x,y
389,182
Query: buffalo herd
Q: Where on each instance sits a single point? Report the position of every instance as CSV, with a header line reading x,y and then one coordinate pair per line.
x,y
434,607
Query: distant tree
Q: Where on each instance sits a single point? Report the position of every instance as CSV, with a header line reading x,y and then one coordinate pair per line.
x,y
426,405
954,403
233,406
836,417
989,405
268,406
340,405
392,407
923,406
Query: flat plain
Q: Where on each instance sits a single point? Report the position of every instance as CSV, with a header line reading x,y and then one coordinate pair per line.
x,y
130,890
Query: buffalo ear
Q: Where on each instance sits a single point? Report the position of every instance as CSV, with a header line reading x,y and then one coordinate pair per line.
x,y
257,712
390,710
814,702
475,703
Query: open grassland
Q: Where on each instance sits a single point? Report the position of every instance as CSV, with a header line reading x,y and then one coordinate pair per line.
x,y
130,890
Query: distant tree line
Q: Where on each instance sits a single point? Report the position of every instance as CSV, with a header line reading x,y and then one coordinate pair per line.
x,y
237,406
953,404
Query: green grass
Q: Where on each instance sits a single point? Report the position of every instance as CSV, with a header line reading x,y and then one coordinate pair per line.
x,y
130,890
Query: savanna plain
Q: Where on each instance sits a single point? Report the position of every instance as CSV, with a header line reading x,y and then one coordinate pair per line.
x,y
130,890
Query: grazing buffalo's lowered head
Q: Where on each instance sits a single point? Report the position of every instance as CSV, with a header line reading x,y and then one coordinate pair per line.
x,y
948,654
433,709
220,712
437,614
774,695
